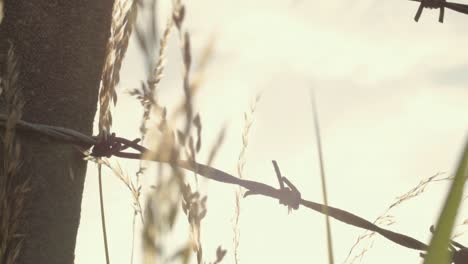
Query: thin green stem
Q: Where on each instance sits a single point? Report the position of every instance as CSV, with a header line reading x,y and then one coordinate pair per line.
x,y
322,175
440,241
103,217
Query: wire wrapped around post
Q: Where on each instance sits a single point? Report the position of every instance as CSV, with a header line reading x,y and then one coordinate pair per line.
x,y
287,194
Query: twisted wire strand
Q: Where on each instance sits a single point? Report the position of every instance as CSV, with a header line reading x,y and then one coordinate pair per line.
x,y
462,8
283,194
55,133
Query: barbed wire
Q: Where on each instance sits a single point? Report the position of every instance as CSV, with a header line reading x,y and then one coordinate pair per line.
x,y
287,194
441,5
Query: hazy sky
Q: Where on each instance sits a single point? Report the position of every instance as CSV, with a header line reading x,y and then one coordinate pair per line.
x,y
392,99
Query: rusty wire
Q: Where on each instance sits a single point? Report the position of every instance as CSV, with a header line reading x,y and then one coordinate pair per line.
x,y
287,194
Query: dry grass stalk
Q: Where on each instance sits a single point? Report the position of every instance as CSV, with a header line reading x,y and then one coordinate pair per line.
x,y
163,204
123,18
220,253
169,190
147,97
191,200
248,121
172,144
12,189
185,138
386,219
158,71
216,146
198,75
194,207
147,94
121,175
124,15
154,225
161,211
185,47
202,64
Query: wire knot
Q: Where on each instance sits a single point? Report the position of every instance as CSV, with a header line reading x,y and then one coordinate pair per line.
x,y
111,145
289,195
106,146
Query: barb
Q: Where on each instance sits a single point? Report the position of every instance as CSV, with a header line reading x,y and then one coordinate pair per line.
x,y
287,194
439,4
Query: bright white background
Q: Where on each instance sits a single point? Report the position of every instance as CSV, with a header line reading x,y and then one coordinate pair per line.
x,y
392,98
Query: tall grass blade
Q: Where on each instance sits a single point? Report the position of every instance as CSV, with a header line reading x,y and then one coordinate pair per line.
x,y
322,175
438,249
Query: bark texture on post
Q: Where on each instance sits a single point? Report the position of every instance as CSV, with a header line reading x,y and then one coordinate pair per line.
x,y
60,46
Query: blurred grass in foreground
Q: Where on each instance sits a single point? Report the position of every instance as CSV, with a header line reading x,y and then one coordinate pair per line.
x,y
437,252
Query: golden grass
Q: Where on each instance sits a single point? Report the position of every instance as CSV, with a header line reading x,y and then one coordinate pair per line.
x,y
124,15
148,100
386,219
248,121
170,189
